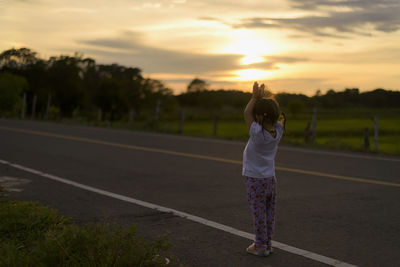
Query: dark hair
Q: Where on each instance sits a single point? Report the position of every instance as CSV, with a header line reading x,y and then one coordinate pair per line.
x,y
268,108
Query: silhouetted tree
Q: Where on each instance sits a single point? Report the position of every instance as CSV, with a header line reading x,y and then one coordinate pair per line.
x,y
17,59
66,83
11,88
197,85
24,62
77,82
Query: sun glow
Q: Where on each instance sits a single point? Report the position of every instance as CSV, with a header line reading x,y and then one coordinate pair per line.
x,y
251,59
251,75
250,45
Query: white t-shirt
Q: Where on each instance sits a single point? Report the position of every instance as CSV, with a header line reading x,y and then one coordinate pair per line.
x,y
260,151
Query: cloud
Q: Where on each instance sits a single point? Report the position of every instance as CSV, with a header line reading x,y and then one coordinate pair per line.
x,y
336,18
130,49
153,59
355,4
273,61
211,19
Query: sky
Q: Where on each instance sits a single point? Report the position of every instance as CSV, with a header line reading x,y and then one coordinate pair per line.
x,y
294,46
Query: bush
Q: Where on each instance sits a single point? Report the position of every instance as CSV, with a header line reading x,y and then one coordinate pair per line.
x,y
11,88
34,235
54,113
25,222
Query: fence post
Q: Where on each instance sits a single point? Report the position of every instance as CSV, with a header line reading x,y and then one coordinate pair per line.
x,y
215,125
182,122
46,116
34,106
23,106
376,120
366,138
156,114
314,125
307,132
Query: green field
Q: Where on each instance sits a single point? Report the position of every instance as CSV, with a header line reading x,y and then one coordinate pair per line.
x,y
337,134
335,129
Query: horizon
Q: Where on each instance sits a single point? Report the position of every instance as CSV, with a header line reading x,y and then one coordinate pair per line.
x,y
293,46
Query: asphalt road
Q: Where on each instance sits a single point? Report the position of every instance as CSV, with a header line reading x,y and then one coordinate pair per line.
x,y
350,220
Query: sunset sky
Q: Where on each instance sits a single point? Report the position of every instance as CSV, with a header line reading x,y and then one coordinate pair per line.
x,y
295,46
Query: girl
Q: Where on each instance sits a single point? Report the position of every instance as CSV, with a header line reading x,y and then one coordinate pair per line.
x,y
261,116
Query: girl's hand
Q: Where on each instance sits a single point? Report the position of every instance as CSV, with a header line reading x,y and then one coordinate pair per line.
x,y
255,90
261,91
258,92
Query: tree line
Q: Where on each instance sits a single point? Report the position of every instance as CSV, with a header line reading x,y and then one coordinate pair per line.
x,y
71,84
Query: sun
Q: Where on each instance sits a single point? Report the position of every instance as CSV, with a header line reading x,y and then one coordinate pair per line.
x,y
252,46
251,59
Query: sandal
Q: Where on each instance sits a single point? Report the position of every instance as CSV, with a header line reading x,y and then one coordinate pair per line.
x,y
252,250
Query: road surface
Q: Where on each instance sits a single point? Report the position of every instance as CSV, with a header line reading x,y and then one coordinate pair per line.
x,y
339,205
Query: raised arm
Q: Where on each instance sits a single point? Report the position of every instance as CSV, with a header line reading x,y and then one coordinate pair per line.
x,y
258,93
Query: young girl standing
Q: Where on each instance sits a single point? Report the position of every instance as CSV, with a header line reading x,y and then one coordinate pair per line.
x,y
261,116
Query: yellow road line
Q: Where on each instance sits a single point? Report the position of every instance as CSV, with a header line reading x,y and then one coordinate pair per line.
x,y
341,177
197,156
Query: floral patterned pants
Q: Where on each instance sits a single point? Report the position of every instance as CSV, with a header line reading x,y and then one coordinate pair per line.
x,y
261,193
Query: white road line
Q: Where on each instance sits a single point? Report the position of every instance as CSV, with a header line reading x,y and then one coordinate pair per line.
x,y
276,244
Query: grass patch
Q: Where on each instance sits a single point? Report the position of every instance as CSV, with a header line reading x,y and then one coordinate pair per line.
x,y
335,129
32,234
344,134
